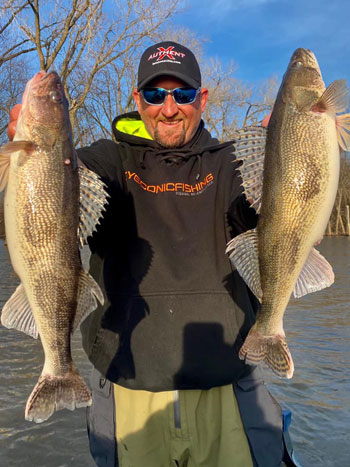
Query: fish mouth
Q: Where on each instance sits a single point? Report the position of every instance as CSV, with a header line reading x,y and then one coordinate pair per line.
x,y
44,102
305,58
47,83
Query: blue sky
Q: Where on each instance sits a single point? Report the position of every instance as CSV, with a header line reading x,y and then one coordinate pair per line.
x,y
261,35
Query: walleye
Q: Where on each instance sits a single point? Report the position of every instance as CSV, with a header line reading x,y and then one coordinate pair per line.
x,y
290,174
2,220
43,198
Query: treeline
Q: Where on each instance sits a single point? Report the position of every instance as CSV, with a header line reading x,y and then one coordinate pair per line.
x,y
339,222
95,46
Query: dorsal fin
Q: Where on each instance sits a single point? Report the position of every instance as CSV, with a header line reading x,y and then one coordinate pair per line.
x,y
93,199
250,149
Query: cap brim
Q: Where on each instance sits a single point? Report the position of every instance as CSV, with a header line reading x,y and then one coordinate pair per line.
x,y
187,80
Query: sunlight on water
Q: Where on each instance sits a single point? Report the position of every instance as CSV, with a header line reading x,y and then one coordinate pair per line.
x,y
318,333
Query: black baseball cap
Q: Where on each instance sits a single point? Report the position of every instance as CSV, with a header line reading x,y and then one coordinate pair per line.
x,y
169,58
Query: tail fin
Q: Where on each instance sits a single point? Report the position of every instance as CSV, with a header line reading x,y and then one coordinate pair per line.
x,y
55,393
273,350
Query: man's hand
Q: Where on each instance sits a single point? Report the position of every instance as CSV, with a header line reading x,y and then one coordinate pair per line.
x,y
11,129
265,120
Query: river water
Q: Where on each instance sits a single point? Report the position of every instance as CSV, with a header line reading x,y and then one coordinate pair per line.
x,y
318,333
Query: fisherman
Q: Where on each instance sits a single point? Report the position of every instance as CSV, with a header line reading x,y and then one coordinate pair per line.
x,y
168,387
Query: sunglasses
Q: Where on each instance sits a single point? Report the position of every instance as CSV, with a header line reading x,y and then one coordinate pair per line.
x,y
181,96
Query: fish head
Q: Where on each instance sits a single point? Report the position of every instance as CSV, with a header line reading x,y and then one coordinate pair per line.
x,y
44,109
302,84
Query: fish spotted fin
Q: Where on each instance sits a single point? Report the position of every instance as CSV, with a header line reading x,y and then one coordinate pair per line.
x,y
88,292
93,199
334,99
5,157
17,313
14,146
244,255
250,150
53,393
342,123
4,170
317,274
273,350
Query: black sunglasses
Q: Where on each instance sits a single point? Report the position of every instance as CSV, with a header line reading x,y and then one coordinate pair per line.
x,y
181,96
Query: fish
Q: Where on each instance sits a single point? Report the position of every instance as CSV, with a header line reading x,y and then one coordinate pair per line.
x,y
2,219
290,174
51,207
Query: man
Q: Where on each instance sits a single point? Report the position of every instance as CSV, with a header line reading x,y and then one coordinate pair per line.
x,y
168,386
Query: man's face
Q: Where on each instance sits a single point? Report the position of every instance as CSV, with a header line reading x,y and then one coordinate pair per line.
x,y
171,125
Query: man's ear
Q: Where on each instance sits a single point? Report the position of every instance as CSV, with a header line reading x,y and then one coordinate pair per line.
x,y
204,98
137,98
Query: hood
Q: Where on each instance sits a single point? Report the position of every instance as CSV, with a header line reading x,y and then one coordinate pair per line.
x,y
129,128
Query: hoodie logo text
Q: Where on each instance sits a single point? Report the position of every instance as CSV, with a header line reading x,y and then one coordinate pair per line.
x,y
177,187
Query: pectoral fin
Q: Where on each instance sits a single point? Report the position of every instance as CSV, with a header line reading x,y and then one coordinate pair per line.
x,y
317,274
17,313
334,99
243,253
88,291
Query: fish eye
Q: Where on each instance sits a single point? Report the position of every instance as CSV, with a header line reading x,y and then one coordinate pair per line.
x,y
297,64
55,96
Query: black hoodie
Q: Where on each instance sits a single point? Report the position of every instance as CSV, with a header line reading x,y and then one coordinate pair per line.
x,y
175,314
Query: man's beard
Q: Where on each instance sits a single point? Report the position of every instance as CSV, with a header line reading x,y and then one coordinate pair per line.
x,y
170,141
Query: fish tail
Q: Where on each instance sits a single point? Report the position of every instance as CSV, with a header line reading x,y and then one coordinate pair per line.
x,y
273,350
55,393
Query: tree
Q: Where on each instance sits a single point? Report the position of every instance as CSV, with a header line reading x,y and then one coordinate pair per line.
x,y
81,39
13,78
261,101
339,220
12,43
95,46
227,96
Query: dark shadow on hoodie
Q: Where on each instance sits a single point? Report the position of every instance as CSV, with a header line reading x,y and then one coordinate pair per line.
x,y
120,260
207,357
244,299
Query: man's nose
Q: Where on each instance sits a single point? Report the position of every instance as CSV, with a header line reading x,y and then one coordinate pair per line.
x,y
169,108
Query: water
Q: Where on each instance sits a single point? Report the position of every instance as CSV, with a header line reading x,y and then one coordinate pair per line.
x,y
61,441
318,332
